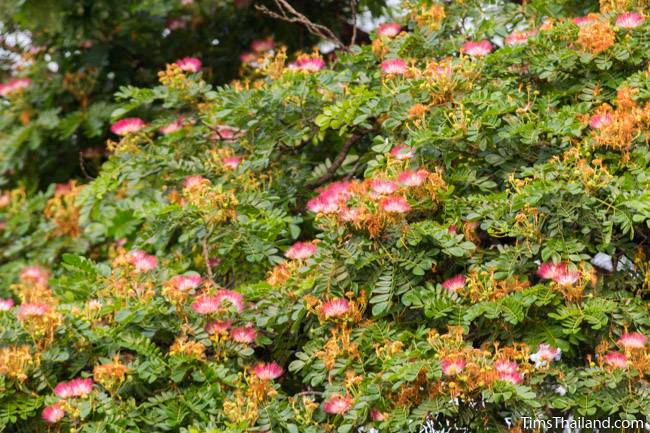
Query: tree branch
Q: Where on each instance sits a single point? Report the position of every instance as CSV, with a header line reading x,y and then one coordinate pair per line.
x,y
82,165
206,258
286,12
353,39
337,161
309,392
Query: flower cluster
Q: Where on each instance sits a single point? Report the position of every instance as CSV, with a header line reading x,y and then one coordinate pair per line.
x,y
618,128
376,202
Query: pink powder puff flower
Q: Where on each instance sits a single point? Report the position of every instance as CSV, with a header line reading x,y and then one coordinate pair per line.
x,y
81,387
74,388
243,335
301,251
389,30
142,261
247,57
231,162
394,67
551,271
21,83
507,371
172,127
337,190
218,327
262,45
337,405
62,189
455,283
308,63
331,205
127,126
335,308
504,366
567,278
402,152
452,366
268,371
513,377
189,64
316,205
321,205
350,214
383,187
477,48
53,414
598,121
545,354
559,273
186,282
633,340
412,178
233,298
518,38
582,21
376,415
14,86
616,359
629,20
6,304
330,199
33,309
34,274
395,204
194,181
206,304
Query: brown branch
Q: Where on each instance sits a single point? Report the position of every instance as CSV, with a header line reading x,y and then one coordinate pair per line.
x,y
337,162
82,165
206,258
214,129
353,7
317,393
286,12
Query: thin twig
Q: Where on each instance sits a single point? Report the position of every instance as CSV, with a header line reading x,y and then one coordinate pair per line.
x,y
318,393
354,170
331,170
206,258
83,167
353,7
214,129
286,12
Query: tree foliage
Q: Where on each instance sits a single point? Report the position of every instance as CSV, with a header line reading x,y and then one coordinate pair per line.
x,y
78,53
449,221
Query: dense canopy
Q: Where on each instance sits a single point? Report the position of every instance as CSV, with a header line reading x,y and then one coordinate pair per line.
x,y
448,222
